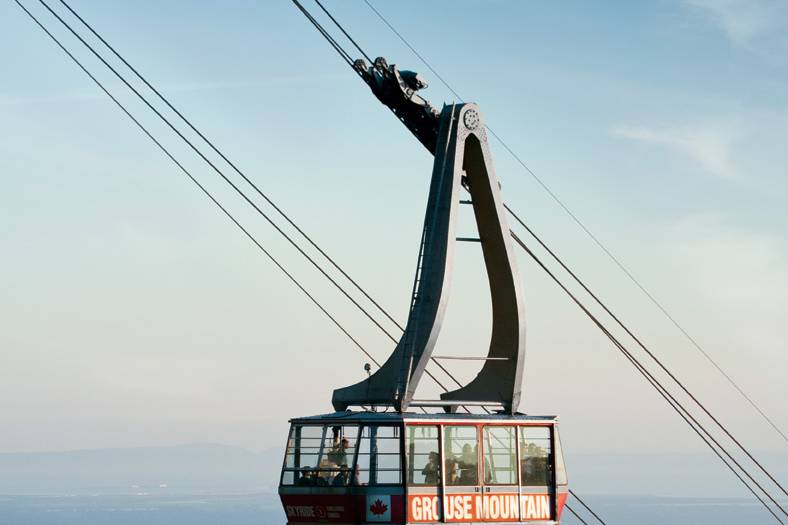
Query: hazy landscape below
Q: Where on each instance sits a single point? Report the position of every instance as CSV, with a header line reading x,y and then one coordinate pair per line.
x,y
218,484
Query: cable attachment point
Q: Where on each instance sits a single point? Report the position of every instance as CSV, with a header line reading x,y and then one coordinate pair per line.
x,y
398,90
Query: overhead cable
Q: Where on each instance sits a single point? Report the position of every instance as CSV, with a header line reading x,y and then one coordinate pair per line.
x,y
236,188
583,503
590,234
199,185
232,165
575,514
643,347
672,401
257,189
218,171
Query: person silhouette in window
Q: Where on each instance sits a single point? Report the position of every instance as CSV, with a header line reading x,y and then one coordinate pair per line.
x,y
338,452
305,478
342,478
467,463
431,470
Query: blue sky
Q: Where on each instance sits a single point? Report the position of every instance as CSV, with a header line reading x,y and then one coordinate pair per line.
x,y
134,314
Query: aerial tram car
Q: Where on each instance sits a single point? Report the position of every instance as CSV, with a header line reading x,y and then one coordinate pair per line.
x,y
387,463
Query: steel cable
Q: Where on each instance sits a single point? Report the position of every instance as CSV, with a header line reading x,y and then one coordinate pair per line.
x,y
239,191
642,346
345,55
590,234
583,503
197,183
570,509
672,401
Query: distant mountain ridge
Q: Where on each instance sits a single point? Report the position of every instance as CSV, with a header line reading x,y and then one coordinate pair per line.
x,y
176,469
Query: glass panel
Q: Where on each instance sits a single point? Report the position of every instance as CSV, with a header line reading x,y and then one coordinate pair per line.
x,y
339,447
560,469
535,456
288,477
361,476
319,455
424,466
500,456
461,453
379,456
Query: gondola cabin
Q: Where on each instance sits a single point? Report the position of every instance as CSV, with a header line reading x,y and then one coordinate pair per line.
x,y
386,467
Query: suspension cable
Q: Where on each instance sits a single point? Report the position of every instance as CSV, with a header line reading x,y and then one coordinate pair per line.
x,y
591,235
309,239
645,349
198,184
576,515
583,503
345,32
219,172
674,403
232,164
243,195
209,195
338,48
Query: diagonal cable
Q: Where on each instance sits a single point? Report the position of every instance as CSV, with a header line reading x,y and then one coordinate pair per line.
x,y
643,346
583,503
592,236
672,401
240,192
198,184
218,171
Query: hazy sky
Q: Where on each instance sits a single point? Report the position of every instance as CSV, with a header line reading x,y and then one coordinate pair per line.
x,y
132,313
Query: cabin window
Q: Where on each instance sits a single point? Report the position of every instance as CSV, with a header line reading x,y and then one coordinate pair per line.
x,y
500,455
319,455
424,464
461,455
560,469
535,456
379,460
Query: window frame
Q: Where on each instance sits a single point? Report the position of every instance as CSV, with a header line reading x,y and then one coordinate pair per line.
x,y
406,465
445,440
550,463
516,438
296,437
373,464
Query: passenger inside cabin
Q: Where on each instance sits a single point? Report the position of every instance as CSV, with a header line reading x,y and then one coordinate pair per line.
x,y
452,478
305,478
535,471
431,470
342,478
467,464
338,452
318,480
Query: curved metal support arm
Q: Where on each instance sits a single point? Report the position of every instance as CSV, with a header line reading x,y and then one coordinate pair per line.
x,y
461,157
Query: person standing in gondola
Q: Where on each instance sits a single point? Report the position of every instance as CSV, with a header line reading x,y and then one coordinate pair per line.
x,y
431,470
338,453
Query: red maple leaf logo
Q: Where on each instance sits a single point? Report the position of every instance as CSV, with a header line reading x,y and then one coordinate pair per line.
x,y
378,508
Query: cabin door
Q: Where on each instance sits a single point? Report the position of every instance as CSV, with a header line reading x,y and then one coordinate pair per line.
x,y
500,487
462,490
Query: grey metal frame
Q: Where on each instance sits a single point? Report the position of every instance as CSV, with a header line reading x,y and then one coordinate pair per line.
x,y
462,158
